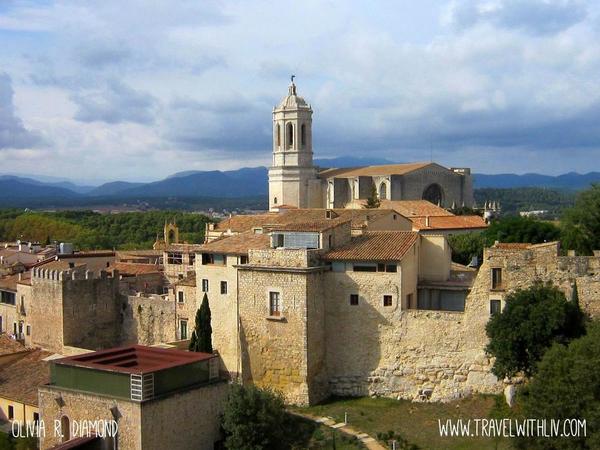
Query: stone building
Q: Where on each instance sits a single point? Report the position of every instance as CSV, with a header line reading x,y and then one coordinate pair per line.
x,y
133,398
295,181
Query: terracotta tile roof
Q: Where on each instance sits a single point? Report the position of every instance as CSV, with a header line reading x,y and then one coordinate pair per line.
x,y
237,244
245,222
315,226
186,248
133,269
241,223
415,208
449,223
9,282
375,246
19,380
8,345
388,169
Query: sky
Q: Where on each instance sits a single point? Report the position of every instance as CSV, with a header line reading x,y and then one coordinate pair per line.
x,y
137,90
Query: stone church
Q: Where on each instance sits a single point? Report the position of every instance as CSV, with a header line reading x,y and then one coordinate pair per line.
x,y
295,181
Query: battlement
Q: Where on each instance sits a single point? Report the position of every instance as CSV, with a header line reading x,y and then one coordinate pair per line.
x,y
41,274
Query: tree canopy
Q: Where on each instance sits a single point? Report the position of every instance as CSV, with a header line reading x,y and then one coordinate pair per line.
x,y
532,320
202,335
566,386
254,419
581,224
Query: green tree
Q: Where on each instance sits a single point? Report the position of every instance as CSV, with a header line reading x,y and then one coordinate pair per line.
x,y
520,229
532,320
373,200
566,386
255,419
465,246
202,335
581,224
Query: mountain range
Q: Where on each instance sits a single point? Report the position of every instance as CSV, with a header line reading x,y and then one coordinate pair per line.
x,y
245,182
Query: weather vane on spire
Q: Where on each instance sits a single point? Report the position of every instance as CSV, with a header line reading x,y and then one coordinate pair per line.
x,y
292,78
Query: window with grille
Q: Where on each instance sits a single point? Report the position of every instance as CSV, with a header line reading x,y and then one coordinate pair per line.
x,y
387,300
274,304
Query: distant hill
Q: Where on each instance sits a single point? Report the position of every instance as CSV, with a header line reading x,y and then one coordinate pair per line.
x,y
233,183
12,188
113,188
571,180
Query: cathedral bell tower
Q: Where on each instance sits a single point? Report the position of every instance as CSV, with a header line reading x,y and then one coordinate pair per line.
x,y
292,177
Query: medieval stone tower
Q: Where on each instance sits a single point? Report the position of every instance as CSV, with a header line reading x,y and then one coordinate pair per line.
x,y
292,177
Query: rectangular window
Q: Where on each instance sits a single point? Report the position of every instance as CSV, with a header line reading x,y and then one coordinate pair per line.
x,y
180,297
274,304
391,268
223,287
174,258
354,299
28,330
11,412
496,278
387,300
495,307
330,238
192,259
380,267
364,267
204,285
183,329
243,260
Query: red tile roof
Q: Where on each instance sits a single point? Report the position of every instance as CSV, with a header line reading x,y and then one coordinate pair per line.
x,y
134,269
134,359
237,244
20,379
415,208
388,169
375,246
449,223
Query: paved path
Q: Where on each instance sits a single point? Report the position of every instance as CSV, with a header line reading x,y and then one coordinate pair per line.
x,y
367,440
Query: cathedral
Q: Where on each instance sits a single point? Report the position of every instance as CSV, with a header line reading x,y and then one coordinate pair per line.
x,y
294,181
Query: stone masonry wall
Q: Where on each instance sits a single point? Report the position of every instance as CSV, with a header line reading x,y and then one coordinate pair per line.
x,y
148,320
78,406
184,421
274,350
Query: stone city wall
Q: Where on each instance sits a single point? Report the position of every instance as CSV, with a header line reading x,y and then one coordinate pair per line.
x,y
148,320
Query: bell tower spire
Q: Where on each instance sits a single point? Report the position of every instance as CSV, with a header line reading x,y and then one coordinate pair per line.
x,y
292,151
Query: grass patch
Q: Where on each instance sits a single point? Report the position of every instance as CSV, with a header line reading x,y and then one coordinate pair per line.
x,y
415,423
310,435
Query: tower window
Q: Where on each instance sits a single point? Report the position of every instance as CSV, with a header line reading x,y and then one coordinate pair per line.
x,y
275,200
278,135
303,135
290,134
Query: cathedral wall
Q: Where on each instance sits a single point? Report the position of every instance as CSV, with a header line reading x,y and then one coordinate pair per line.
x,y
415,183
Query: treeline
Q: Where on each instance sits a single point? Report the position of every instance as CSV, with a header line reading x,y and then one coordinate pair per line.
x,y
92,230
514,200
579,230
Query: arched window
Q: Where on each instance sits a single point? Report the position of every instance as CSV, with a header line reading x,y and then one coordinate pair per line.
x,y
434,194
383,191
278,135
303,135
290,134
275,200
65,428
